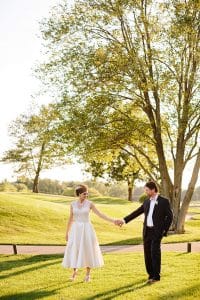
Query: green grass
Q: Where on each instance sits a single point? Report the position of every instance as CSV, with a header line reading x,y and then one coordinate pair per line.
x,y
41,219
122,277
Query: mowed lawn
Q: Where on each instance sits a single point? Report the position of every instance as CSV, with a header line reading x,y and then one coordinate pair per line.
x,y
41,219
123,277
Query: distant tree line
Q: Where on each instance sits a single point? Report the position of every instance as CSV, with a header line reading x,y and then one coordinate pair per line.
x,y
66,188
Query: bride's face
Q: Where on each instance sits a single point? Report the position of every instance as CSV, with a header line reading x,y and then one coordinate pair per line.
x,y
83,195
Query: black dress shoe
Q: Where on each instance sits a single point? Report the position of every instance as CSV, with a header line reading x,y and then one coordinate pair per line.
x,y
151,281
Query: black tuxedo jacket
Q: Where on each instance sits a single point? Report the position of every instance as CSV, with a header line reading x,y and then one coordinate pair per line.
x,y
162,216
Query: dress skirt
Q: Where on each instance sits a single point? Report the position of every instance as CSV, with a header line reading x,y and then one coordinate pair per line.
x,y
82,249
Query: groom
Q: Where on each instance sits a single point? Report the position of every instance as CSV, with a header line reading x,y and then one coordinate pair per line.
x,y
158,218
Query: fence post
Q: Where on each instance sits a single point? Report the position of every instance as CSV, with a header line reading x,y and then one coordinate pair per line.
x,y
15,249
189,247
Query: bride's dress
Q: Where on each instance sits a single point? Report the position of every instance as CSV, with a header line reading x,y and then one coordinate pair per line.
x,y
82,249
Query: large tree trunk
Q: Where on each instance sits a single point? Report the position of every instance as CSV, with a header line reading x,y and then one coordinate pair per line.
x,y
188,196
35,183
39,167
130,189
166,183
130,193
131,181
178,176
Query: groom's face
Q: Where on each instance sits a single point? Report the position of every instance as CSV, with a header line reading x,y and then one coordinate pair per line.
x,y
149,192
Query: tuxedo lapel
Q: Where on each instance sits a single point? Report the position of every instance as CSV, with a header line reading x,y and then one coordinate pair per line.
x,y
148,206
156,205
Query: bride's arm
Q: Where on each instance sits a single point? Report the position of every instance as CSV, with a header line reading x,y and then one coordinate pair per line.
x,y
100,214
69,223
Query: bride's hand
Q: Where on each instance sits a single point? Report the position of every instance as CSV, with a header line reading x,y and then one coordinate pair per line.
x,y
119,222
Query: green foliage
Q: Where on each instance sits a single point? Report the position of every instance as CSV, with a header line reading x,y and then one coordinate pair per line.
x,y
68,192
35,147
142,198
6,186
132,69
49,186
94,193
118,166
21,187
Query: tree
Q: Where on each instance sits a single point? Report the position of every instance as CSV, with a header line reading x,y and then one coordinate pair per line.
x,y
105,152
117,168
142,53
35,147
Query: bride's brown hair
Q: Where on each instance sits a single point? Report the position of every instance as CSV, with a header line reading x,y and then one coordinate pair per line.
x,y
81,188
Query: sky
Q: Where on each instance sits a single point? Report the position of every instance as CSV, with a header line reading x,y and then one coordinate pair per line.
x,y
20,49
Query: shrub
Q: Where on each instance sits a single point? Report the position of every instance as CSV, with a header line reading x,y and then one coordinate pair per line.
x,y
142,198
7,187
69,192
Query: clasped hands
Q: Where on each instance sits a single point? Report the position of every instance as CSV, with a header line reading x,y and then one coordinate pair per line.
x,y
119,222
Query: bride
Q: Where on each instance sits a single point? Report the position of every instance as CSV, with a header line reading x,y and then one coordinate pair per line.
x,y
82,249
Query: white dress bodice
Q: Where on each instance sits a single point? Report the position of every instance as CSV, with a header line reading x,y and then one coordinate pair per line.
x,y
81,213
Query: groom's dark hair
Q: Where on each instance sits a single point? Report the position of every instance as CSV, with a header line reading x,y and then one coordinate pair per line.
x,y
152,185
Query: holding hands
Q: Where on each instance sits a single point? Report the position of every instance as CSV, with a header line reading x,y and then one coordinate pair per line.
x,y
119,222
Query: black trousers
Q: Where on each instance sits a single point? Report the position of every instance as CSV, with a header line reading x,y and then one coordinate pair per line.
x,y
152,254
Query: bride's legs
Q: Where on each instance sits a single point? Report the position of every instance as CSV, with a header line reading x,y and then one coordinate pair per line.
x,y
74,274
87,276
88,271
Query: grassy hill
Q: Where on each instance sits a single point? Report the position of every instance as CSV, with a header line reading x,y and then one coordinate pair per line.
x,y
41,219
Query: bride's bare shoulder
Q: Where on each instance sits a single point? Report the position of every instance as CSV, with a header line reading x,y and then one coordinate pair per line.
x,y
91,203
73,202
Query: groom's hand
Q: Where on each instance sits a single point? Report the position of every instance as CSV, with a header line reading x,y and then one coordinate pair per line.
x,y
119,222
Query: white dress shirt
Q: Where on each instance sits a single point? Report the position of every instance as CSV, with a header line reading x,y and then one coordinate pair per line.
x,y
151,208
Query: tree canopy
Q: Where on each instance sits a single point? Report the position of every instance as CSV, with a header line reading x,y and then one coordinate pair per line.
x,y
35,146
127,72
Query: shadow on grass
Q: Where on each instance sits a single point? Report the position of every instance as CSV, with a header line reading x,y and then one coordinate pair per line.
x,y
181,294
41,293
111,294
12,264
29,295
183,254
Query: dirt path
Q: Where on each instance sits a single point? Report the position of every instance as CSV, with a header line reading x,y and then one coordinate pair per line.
x,y
179,247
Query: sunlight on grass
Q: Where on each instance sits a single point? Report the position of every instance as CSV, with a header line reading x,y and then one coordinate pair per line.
x,y
31,218
122,277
